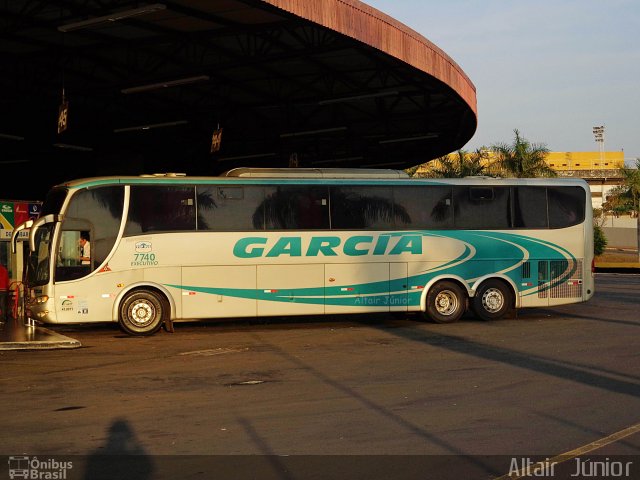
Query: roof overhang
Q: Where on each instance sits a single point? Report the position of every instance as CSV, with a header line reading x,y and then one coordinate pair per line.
x,y
323,83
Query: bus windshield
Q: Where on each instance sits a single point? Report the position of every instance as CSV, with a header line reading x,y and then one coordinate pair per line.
x,y
38,265
54,201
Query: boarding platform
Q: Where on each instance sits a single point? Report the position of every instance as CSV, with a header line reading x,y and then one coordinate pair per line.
x,y
15,334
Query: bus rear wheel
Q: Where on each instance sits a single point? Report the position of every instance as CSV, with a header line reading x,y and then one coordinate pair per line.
x,y
493,299
446,302
142,312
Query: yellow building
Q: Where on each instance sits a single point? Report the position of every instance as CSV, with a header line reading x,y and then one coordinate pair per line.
x,y
599,169
559,161
585,160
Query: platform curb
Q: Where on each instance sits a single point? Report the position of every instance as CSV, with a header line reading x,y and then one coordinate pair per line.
x,y
617,265
58,341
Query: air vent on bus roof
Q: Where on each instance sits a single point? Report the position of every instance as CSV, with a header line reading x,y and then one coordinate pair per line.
x,y
168,174
315,173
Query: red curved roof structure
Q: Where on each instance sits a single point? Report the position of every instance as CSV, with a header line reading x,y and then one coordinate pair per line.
x,y
368,25
322,83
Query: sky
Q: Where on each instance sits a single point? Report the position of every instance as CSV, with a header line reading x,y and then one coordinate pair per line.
x,y
553,69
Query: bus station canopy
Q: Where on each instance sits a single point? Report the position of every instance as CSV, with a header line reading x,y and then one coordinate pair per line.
x,y
203,86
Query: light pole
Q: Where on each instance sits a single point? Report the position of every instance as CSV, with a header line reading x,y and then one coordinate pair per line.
x,y
598,133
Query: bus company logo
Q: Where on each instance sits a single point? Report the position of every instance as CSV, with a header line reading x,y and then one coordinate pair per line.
x,y
143,247
328,246
6,208
67,306
37,469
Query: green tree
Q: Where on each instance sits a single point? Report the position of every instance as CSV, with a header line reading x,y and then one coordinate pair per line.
x,y
619,201
631,180
522,159
412,171
599,217
462,164
599,240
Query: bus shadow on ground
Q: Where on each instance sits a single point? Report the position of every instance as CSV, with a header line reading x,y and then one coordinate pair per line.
x,y
574,372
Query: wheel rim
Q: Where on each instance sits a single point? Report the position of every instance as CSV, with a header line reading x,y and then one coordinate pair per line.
x,y
446,302
142,313
492,300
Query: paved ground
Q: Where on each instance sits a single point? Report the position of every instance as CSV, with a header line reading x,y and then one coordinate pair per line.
x,y
541,384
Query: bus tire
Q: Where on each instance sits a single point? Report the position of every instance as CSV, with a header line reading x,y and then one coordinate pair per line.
x,y
142,312
493,299
446,302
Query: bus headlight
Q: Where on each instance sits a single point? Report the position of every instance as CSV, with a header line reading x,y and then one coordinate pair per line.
x,y
41,299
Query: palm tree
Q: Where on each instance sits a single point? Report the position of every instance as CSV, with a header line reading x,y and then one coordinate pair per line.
x,y
413,171
463,164
522,159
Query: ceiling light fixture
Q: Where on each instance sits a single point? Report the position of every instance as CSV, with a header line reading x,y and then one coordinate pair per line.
x,y
359,97
68,146
150,126
8,136
245,157
19,160
170,83
410,139
388,164
112,17
335,160
312,132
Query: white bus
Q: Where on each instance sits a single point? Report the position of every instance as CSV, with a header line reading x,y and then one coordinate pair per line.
x,y
275,242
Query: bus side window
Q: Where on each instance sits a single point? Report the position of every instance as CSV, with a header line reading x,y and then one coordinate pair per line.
x,y
229,208
566,206
99,211
427,206
530,207
482,208
295,207
365,207
69,261
161,208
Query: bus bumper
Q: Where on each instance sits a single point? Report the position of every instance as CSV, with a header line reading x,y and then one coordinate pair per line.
x,y
41,310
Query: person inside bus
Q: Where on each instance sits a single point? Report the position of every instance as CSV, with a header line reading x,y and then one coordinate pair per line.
x,y
4,293
85,248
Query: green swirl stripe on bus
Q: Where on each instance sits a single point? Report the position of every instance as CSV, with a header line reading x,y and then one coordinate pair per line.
x,y
485,253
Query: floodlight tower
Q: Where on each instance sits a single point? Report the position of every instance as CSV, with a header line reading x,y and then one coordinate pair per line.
x,y
598,133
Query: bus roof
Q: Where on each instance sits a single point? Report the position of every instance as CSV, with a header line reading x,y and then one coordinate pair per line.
x,y
313,176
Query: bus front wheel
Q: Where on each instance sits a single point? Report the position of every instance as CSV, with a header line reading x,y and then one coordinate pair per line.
x,y
492,300
446,302
142,312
